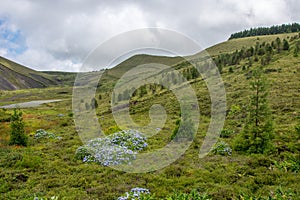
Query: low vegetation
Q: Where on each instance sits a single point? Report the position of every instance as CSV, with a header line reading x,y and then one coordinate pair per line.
x,y
256,156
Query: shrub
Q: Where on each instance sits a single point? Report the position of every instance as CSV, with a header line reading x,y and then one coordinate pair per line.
x,y
222,148
4,117
41,133
136,193
226,133
17,134
118,148
131,139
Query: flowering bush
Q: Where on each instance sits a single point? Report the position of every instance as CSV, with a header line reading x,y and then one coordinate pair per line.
x,y
131,139
222,148
144,194
118,148
41,133
135,193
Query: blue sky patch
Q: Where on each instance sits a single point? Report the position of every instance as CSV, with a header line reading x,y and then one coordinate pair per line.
x,y
11,38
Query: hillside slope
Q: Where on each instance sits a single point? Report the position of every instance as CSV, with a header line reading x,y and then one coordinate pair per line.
x,y
48,167
15,76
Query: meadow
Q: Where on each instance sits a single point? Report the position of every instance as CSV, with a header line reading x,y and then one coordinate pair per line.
x,y
48,166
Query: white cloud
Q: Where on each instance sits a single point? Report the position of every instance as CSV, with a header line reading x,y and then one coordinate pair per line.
x,y
59,36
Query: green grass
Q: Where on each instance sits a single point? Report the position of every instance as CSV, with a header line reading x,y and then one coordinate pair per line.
x,y
48,167
231,45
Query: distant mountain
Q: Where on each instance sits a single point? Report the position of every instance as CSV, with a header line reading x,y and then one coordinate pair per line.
x,y
14,76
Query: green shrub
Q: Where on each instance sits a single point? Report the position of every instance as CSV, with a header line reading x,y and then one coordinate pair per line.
x,y
226,133
4,117
222,148
17,134
41,133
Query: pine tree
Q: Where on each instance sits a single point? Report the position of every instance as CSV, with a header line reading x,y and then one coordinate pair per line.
x,y
258,131
286,45
17,134
94,103
296,49
278,44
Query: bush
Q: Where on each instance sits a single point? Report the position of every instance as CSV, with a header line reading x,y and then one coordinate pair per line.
x,y
136,193
118,148
226,133
17,134
222,148
4,117
41,133
144,194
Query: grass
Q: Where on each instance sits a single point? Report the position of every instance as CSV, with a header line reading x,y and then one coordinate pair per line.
x,y
48,167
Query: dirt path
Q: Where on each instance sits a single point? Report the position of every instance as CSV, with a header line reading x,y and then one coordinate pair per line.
x,y
30,104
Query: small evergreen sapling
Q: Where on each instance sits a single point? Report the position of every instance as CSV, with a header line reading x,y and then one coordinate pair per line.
x,y
17,134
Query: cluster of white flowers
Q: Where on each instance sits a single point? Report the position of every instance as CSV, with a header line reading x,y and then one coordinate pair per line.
x,y
118,148
41,133
135,193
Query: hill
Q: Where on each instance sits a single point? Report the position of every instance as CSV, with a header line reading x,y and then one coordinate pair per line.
x,y
14,76
48,167
141,59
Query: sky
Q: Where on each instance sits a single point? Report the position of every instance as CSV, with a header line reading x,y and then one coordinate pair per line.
x,y
58,36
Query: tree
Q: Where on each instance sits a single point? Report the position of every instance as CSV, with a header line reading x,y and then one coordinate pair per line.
x,y
258,132
94,103
278,44
17,134
286,45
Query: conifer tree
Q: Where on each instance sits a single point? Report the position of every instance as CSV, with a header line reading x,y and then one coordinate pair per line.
x,y
17,134
258,131
286,45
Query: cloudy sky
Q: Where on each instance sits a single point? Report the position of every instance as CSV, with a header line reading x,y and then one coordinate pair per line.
x,y
58,36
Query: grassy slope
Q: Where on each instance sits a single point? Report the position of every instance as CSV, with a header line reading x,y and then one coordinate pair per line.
x,y
17,76
234,44
136,60
48,168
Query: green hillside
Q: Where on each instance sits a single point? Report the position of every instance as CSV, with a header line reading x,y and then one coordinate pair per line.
x,y
136,60
49,168
233,44
14,76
